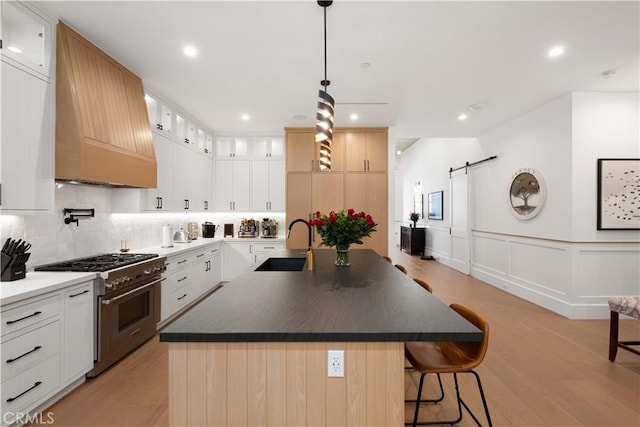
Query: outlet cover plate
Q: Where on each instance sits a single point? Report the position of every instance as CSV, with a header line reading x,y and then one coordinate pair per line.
x,y
335,363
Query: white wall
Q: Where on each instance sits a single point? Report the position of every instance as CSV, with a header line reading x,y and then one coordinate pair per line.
x,y
428,161
53,240
557,259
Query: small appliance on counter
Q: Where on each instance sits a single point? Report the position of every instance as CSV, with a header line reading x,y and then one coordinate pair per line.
x,y
209,230
181,236
193,228
14,258
228,230
269,228
249,228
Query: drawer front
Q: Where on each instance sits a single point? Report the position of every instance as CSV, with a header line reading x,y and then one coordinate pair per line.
x,y
26,315
178,280
26,351
267,247
171,302
178,262
29,388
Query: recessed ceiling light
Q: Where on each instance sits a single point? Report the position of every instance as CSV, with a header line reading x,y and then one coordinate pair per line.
x,y
399,152
245,117
190,51
556,51
353,117
462,117
14,49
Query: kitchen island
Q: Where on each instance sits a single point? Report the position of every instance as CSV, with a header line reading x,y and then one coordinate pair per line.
x,y
255,352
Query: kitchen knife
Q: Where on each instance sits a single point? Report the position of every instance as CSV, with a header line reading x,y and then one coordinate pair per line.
x,y
10,248
6,245
14,247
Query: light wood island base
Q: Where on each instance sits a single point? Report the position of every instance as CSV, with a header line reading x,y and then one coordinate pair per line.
x,y
285,384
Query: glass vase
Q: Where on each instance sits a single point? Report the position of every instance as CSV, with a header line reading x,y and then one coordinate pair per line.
x,y
342,256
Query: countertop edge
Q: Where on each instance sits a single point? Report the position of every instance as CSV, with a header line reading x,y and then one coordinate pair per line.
x,y
39,282
174,337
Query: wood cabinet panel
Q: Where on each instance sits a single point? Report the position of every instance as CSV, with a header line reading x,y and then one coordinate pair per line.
x,y
298,206
377,151
368,192
301,151
356,151
139,117
327,193
370,393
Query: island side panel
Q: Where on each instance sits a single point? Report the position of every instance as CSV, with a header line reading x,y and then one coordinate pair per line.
x,y
289,380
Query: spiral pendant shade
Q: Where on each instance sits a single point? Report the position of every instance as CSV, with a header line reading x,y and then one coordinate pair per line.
x,y
324,128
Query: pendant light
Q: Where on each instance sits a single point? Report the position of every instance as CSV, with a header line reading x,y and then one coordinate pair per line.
x,y
325,114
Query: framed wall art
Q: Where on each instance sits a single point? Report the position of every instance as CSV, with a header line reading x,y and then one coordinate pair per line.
x,y
435,205
527,193
618,194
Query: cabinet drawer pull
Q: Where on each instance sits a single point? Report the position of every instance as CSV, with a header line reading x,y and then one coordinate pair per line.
x,y
179,298
199,256
269,247
38,347
183,279
79,293
11,399
11,322
182,262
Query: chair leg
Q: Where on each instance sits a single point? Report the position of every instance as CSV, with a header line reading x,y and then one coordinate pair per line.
x,y
436,400
613,336
461,403
415,415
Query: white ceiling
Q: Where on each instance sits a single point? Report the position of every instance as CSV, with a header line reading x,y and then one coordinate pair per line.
x,y
428,60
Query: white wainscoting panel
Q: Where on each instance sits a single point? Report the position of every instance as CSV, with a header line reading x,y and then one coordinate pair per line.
x,y
541,265
574,279
438,243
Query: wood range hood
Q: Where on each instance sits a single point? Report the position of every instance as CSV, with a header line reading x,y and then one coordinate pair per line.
x,y
103,134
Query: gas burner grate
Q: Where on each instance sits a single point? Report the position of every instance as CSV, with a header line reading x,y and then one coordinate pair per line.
x,y
98,263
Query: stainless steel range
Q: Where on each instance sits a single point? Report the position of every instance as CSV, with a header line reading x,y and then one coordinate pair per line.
x,y
127,306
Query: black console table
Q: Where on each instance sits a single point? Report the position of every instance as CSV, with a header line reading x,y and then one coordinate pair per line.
x,y
412,239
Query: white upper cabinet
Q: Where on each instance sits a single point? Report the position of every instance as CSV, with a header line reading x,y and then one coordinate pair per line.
x,y
27,102
232,147
267,185
232,186
267,148
161,116
26,37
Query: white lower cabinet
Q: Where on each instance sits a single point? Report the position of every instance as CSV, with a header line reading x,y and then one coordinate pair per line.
x,y
47,344
238,256
189,276
78,332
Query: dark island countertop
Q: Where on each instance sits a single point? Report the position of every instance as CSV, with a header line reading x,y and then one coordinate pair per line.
x,y
369,301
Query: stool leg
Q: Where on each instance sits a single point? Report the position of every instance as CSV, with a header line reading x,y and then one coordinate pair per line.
x,y
613,335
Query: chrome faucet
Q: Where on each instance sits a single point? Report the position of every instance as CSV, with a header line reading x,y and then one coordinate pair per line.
x,y
305,223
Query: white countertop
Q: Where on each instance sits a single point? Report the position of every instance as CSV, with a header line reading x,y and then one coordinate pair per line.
x,y
40,282
198,243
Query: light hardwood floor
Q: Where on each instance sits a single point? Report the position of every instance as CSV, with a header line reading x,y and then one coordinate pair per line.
x,y
541,369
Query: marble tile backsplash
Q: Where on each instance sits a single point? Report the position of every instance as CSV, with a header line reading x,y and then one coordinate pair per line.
x,y
53,240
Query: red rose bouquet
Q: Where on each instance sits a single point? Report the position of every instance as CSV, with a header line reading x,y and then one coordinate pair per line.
x,y
343,228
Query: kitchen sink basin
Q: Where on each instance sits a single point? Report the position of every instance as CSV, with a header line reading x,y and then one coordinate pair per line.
x,y
282,264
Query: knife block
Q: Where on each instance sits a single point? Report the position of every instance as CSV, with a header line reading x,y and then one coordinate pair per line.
x,y
13,267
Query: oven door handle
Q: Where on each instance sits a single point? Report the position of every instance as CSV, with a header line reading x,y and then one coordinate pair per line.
x,y
108,301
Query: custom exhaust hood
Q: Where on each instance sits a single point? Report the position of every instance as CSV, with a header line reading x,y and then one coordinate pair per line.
x,y
102,127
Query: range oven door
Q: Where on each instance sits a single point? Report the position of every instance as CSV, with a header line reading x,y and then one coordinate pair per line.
x,y
125,321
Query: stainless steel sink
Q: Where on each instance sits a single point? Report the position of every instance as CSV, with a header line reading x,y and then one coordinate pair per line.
x,y
282,264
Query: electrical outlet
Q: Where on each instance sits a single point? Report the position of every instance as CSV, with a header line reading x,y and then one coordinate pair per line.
x,y
335,363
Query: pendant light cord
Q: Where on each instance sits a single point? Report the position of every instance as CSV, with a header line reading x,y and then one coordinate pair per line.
x,y
325,48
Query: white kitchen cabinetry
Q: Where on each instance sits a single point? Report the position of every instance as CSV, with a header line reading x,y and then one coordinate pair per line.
x,y
232,147
232,185
184,181
267,185
161,116
47,344
238,256
189,276
78,331
26,154
263,148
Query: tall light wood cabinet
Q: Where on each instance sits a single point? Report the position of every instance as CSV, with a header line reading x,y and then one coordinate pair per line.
x,y
358,179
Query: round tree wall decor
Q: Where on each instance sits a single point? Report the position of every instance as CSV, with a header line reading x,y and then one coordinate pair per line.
x,y
527,193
